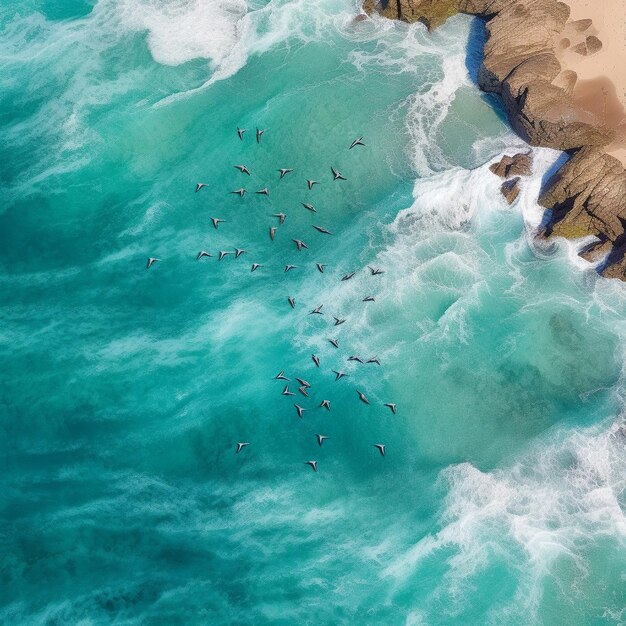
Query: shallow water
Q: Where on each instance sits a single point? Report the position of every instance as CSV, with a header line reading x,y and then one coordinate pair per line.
x,y
124,391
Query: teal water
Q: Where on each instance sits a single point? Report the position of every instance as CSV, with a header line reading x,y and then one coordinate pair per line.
x,y
501,496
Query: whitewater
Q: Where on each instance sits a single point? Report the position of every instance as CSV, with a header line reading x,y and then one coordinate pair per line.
x,y
124,391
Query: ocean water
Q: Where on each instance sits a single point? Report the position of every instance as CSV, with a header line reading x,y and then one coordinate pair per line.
x,y
501,496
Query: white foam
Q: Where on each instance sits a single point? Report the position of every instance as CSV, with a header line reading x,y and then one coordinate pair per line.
x,y
562,492
427,112
225,32
485,148
429,257
449,200
182,30
400,47
432,254
545,162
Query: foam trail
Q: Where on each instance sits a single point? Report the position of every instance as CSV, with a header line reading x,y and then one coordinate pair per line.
x,y
428,257
428,249
426,113
404,50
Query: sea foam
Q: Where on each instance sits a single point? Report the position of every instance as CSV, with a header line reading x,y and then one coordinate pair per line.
x,y
225,32
562,494
184,30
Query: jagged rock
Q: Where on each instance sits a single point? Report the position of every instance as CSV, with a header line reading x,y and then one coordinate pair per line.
x,y
518,33
432,13
615,265
543,115
510,189
595,250
517,165
519,64
587,196
386,9
591,45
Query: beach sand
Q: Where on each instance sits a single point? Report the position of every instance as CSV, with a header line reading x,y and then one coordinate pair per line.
x,y
601,85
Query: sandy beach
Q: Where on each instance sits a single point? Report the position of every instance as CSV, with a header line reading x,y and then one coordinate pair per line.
x,y
601,85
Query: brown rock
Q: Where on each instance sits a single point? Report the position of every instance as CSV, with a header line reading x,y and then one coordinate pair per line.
x,y
519,64
369,6
587,196
517,165
522,165
581,49
615,263
384,7
544,116
543,67
517,33
499,169
433,13
595,250
484,8
510,189
593,44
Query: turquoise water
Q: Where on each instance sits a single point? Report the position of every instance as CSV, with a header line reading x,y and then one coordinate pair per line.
x,y
501,496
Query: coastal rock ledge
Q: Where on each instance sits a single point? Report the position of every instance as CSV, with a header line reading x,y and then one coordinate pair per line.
x,y
525,62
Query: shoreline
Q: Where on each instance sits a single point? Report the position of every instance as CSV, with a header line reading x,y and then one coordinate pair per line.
x,y
556,67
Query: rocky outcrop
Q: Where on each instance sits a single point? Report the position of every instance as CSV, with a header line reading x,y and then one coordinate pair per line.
x,y
517,165
510,189
587,196
520,65
432,13
512,168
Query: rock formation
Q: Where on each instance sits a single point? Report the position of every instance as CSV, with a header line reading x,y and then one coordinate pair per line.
x,y
433,13
516,165
510,189
587,196
511,168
